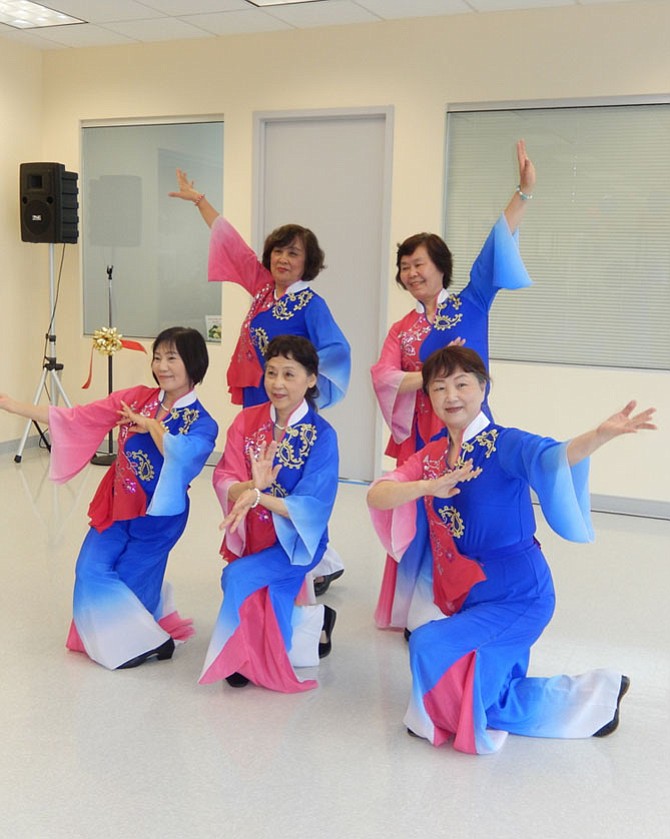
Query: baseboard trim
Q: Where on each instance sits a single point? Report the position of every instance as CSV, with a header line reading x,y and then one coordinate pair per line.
x,y
642,507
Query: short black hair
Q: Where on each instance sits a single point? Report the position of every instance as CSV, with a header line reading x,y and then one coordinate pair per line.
x,y
443,362
191,347
301,350
437,250
284,235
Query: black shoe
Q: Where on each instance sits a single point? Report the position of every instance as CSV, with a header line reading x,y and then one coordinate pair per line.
x,y
613,724
164,651
329,616
322,586
237,680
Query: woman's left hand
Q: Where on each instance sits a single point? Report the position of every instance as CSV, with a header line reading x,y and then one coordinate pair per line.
x,y
136,422
263,473
526,169
625,422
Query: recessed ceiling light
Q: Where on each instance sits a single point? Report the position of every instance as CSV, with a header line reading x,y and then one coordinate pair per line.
x,y
22,14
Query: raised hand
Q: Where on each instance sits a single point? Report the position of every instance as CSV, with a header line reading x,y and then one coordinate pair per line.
x,y
186,191
263,472
526,169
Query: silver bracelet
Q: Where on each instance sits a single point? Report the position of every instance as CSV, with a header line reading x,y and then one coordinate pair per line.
x,y
523,195
258,498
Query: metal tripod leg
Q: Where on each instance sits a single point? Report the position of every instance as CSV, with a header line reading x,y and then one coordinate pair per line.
x,y
56,390
57,386
50,366
36,400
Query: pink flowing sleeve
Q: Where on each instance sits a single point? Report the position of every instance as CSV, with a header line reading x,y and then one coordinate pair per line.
x,y
232,469
77,432
387,374
231,260
396,528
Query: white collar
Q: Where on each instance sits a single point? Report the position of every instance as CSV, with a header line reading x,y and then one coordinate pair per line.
x,y
295,417
478,424
188,399
441,297
294,288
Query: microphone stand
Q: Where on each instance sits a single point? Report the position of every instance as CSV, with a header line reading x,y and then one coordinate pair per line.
x,y
108,457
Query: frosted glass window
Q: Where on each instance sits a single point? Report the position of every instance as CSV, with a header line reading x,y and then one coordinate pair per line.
x,y
596,237
156,245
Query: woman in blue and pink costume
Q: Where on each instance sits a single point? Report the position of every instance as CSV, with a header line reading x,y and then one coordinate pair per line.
x,y
424,265
283,304
277,482
464,503
122,611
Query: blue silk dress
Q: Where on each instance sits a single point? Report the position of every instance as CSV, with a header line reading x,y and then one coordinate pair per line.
x,y
469,670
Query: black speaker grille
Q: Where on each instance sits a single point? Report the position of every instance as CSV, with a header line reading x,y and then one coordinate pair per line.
x,y
48,203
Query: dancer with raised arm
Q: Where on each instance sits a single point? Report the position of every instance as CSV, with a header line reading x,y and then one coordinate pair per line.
x,y
424,265
283,304
463,504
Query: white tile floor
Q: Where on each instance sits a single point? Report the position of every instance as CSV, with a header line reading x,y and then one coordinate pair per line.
x,y
148,753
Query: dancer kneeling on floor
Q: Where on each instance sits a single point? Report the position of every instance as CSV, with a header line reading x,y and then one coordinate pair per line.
x,y
122,613
277,482
464,500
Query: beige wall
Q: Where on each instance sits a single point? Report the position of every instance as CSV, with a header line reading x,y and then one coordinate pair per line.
x,y
23,267
415,66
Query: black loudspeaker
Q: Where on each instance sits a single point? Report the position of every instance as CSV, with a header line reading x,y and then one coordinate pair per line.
x,y
48,203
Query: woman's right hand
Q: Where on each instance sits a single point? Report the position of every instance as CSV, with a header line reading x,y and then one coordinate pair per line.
x,y
37,413
186,191
240,508
445,485
6,403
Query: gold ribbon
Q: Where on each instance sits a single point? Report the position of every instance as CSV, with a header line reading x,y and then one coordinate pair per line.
x,y
107,341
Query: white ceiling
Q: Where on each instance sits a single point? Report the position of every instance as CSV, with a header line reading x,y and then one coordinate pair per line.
x,y
130,21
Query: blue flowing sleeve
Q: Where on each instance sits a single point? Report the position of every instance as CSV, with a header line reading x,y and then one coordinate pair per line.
x,y
311,501
562,490
333,350
184,457
499,265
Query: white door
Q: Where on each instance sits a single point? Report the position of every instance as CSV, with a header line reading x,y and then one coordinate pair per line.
x,y
330,173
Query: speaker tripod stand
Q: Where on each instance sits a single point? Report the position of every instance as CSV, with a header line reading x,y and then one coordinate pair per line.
x,y
50,369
